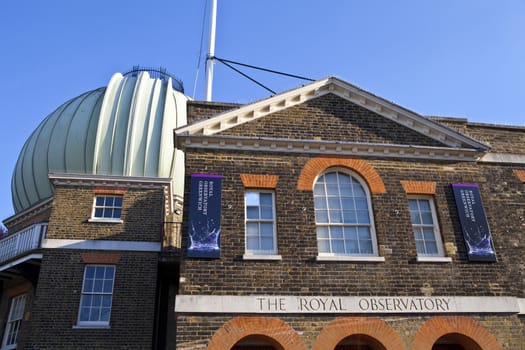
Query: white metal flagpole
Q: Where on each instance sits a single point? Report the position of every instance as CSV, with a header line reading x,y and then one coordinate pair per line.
x,y
210,60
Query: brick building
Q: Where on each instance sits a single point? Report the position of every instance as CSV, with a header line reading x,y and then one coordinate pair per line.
x,y
324,217
340,227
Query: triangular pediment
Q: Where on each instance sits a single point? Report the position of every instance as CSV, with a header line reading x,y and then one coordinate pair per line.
x,y
444,139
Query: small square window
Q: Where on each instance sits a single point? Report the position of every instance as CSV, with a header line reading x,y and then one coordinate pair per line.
x,y
107,208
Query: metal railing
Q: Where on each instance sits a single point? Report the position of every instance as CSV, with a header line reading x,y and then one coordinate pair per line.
x,y
157,73
23,241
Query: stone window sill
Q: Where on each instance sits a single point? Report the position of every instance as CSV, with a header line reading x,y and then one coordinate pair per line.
x,y
261,257
351,258
434,259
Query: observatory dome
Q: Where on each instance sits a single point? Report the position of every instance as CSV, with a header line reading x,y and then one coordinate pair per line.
x,y
124,129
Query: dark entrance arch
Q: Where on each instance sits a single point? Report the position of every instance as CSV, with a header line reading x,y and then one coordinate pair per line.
x,y
359,342
257,342
455,341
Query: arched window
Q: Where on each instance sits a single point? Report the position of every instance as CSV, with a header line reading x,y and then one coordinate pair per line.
x,y
343,215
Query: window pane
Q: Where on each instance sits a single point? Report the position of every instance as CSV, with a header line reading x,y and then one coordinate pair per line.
x,y
348,203
346,191
364,233
104,314
350,232
330,178
84,314
252,212
267,213
336,232
266,199
362,217
414,216
106,301
358,190
252,228
334,203
352,247
426,217
332,189
322,232
432,248
118,202
99,272
418,233
429,234
413,205
420,246
85,300
424,205
321,216
108,286
338,246
361,204
252,198
349,217
267,243
344,179
336,216
366,247
266,229
323,246
319,189
320,203
88,286
252,243
99,212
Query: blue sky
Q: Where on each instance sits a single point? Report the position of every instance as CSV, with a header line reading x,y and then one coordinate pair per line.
x,y
437,57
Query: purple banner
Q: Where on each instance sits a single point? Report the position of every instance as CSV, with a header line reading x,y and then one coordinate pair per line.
x,y
473,222
204,227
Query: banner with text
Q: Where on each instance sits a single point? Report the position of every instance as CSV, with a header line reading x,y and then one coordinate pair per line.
x,y
204,227
473,222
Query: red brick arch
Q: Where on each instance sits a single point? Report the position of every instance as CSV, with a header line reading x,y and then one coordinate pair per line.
x,y
344,327
317,165
468,333
241,327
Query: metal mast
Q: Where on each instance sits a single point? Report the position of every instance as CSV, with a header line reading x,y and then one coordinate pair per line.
x,y
210,57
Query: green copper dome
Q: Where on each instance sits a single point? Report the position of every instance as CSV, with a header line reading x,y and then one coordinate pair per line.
x,y
125,129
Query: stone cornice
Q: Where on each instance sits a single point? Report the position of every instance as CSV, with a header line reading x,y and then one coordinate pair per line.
x,y
108,181
325,147
387,109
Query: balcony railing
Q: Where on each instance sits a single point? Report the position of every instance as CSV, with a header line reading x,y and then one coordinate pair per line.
x,y
22,242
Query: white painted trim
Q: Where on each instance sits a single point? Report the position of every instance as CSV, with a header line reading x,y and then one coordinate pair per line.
x,y
261,257
503,158
21,260
287,304
435,259
106,221
340,88
101,245
91,326
350,258
521,303
239,143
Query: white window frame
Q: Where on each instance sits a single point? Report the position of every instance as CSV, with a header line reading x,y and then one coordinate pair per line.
x,y
330,256
440,254
14,321
260,254
84,293
104,207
